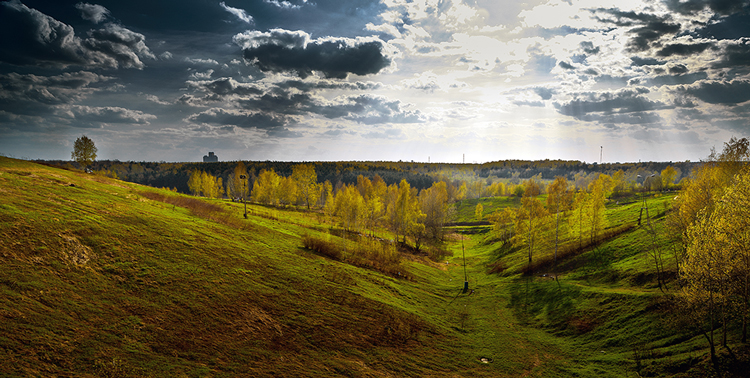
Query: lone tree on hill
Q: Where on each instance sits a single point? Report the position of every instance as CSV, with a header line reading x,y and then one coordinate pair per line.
x,y
84,151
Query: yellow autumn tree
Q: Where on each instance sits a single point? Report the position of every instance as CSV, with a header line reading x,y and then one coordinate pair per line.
x,y
433,202
531,220
266,188
405,215
307,187
558,201
668,176
194,183
595,205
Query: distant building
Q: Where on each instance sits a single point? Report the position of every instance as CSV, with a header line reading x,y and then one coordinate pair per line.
x,y
211,158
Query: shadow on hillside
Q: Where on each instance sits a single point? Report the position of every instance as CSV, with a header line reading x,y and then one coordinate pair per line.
x,y
549,302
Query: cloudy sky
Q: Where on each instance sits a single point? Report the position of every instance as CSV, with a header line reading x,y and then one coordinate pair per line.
x,y
153,80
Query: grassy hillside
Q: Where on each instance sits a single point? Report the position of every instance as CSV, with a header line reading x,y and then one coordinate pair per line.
x,y
100,277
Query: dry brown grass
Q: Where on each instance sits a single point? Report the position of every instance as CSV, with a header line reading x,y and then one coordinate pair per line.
x,y
200,208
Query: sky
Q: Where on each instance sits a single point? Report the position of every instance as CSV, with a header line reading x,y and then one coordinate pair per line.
x,y
374,80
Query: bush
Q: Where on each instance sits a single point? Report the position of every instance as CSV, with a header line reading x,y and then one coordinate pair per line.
x,y
366,253
322,247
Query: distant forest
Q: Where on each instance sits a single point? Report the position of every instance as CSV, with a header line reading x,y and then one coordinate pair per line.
x,y
419,175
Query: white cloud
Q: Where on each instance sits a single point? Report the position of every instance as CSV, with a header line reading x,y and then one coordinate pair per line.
x,y
93,12
201,61
202,75
239,13
284,4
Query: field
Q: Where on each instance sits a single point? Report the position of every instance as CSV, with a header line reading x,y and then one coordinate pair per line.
x,y
102,277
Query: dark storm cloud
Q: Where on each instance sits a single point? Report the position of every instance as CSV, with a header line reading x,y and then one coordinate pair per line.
x,y
735,54
726,93
40,40
240,118
722,7
370,110
281,102
566,65
39,95
678,69
226,86
676,79
293,51
120,44
647,28
683,49
307,86
365,108
598,106
88,116
589,48
638,61
734,26
52,90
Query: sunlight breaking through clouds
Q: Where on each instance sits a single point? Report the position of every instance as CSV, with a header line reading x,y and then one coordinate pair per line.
x,y
307,74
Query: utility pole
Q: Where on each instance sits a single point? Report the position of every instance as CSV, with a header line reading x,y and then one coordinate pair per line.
x,y
244,191
466,278
601,151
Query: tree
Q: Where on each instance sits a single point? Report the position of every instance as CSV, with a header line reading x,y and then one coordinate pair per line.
x,y
558,199
668,175
194,183
433,202
596,207
530,218
84,151
306,180
266,188
350,207
287,191
503,221
405,215
479,212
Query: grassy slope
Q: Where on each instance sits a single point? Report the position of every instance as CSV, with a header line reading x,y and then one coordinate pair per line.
x,y
99,280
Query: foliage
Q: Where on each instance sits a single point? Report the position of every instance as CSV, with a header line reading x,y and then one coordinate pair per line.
x,y
205,184
711,217
306,181
84,151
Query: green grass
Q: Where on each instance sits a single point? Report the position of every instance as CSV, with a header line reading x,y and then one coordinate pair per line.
x,y
107,278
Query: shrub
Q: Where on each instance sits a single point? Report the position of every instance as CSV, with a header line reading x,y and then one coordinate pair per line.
x,y
323,247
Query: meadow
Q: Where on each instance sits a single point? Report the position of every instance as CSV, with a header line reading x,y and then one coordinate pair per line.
x,y
105,278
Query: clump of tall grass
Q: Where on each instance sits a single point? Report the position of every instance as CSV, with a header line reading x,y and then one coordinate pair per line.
x,y
200,208
323,247
364,252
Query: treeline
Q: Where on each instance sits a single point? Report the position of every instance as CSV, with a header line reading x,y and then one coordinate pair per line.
x,y
479,178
